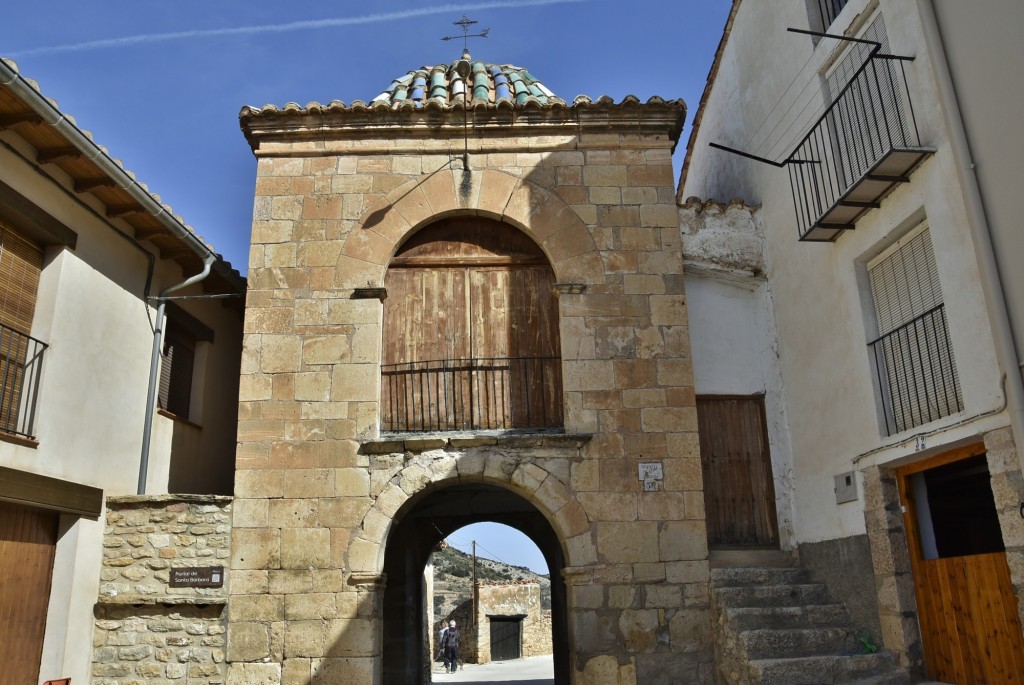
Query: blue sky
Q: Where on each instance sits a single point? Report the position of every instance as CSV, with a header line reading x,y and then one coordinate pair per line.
x,y
168,104
501,543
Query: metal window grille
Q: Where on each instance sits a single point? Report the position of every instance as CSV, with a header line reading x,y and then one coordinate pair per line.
x,y
21,367
913,356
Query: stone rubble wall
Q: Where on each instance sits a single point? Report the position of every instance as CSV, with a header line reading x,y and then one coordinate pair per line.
x,y
147,632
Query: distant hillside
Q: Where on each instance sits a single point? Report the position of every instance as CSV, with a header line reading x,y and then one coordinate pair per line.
x,y
453,573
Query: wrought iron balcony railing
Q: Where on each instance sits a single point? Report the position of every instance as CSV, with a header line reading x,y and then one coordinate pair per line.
x,y
829,10
21,366
916,372
864,144
472,394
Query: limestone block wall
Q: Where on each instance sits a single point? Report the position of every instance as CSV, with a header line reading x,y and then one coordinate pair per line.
x,y
146,631
336,195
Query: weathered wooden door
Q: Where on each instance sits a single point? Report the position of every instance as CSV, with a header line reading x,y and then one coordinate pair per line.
x,y
739,493
967,608
28,538
470,335
506,637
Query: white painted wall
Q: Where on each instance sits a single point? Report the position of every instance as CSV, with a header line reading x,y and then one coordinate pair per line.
x,y
820,305
91,403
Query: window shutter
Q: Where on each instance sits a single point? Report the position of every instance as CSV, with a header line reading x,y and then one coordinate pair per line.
x,y
176,374
21,262
913,354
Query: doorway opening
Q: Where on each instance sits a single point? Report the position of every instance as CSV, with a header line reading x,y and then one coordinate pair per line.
x,y
493,581
419,527
970,629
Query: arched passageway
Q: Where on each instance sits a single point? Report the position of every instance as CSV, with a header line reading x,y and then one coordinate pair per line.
x,y
423,522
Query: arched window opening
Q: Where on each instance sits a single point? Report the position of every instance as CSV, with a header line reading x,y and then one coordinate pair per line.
x,y
470,332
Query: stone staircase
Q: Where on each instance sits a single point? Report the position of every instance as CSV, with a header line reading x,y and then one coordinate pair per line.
x,y
775,626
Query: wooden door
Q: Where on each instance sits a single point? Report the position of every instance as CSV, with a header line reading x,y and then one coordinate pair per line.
x,y
28,538
739,493
470,335
967,608
506,637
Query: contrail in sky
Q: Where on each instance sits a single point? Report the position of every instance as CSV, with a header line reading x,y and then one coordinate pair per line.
x,y
290,26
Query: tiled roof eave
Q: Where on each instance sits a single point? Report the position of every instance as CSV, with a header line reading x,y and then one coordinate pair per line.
x,y
339,120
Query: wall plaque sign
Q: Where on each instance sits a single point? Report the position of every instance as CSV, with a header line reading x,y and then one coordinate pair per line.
x,y
200,576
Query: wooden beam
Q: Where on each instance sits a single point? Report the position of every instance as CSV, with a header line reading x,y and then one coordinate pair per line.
x,y
15,118
147,232
53,154
36,222
86,184
175,252
31,489
116,211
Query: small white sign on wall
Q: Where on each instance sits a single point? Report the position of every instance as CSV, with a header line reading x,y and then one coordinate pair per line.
x,y
651,474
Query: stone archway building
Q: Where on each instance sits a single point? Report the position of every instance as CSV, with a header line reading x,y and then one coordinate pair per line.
x,y
324,499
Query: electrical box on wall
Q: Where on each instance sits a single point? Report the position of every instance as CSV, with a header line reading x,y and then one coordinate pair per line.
x,y
846,487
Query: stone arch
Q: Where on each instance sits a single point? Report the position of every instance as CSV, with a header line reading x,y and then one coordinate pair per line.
x,y
435,494
430,471
498,195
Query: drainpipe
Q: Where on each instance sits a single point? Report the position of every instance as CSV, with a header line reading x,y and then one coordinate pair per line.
x,y
995,302
154,366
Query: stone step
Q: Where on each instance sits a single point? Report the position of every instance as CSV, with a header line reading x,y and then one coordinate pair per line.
x,y
823,670
894,678
738,558
772,595
767,643
808,616
759,575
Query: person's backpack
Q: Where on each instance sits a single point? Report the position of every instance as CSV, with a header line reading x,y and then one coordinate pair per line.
x,y
451,638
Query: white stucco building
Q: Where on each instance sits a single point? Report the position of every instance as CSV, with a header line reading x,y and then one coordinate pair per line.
x,y
876,302
85,250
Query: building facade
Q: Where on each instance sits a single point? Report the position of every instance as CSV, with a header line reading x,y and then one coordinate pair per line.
x,y
84,249
466,304
871,169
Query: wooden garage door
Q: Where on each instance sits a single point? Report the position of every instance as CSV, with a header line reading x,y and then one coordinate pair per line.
x,y
28,538
739,493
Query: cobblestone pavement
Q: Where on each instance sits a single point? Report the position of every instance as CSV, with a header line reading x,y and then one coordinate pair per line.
x,y
534,670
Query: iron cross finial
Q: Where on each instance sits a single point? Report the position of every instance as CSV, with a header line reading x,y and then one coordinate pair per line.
x,y
464,24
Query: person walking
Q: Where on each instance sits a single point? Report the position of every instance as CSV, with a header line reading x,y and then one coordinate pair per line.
x,y
450,645
440,644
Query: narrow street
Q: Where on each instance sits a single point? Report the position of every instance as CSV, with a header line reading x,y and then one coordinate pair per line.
x,y
534,670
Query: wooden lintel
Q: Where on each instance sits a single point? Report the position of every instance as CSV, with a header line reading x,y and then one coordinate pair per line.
x,y
86,184
115,211
30,489
15,118
56,153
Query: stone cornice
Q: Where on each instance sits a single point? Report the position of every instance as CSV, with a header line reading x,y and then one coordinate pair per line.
x,y
325,127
